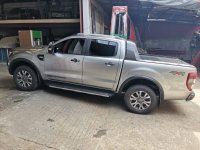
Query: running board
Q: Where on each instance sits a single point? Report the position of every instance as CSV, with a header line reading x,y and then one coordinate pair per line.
x,y
80,89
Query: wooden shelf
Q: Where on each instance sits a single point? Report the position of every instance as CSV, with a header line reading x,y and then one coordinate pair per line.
x,y
41,21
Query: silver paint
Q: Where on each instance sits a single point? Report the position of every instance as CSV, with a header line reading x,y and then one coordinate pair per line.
x,y
93,71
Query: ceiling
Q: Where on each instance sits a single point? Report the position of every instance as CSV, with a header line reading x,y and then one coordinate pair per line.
x,y
183,11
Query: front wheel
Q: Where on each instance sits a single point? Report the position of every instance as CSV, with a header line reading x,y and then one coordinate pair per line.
x,y
25,78
140,99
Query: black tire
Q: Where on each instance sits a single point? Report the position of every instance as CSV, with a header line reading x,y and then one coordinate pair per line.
x,y
140,104
29,84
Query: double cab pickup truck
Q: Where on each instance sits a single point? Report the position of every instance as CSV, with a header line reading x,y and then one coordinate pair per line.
x,y
104,65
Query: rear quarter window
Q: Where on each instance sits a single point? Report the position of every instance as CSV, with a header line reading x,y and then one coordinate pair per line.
x,y
131,51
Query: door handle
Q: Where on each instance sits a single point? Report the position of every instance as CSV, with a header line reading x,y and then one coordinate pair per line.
x,y
109,64
75,60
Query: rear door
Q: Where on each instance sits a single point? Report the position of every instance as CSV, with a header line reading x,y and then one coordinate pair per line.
x,y
65,64
101,64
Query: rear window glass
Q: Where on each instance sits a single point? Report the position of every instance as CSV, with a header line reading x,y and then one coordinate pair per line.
x,y
131,51
103,48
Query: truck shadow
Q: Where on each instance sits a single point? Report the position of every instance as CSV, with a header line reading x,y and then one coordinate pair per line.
x,y
167,107
86,98
170,113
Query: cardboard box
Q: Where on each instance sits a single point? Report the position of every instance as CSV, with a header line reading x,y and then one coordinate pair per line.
x,y
30,38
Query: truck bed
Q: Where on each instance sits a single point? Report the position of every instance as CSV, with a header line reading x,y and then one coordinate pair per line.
x,y
164,59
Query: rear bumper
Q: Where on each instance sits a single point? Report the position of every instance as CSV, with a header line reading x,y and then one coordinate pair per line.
x,y
191,96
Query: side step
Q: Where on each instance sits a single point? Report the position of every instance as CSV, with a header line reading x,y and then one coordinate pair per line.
x,y
80,89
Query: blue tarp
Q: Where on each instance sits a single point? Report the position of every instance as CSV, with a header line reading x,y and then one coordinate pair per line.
x,y
3,55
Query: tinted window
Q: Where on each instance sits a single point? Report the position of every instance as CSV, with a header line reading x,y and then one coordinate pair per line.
x,y
103,48
131,51
72,46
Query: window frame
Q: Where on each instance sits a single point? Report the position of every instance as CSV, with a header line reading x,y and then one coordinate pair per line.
x,y
131,51
108,40
67,39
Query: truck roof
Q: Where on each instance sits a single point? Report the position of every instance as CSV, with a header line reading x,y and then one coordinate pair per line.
x,y
100,35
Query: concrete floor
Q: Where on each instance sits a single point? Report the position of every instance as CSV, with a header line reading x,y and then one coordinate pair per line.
x,y
50,119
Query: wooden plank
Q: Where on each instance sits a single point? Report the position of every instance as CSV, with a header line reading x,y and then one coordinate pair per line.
x,y
40,21
25,38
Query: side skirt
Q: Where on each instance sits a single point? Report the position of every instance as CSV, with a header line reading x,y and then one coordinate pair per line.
x,y
79,88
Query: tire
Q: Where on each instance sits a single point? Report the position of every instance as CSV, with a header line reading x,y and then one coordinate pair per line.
x,y
140,99
25,78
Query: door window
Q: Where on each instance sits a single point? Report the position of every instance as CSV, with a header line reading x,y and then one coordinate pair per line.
x,y
71,46
103,48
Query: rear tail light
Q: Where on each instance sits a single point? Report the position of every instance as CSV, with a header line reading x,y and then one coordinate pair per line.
x,y
191,79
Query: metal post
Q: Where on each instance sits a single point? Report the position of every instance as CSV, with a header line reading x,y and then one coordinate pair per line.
x,y
86,17
2,8
119,27
81,15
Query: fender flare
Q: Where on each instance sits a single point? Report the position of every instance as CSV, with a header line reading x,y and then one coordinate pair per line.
x,y
161,91
25,61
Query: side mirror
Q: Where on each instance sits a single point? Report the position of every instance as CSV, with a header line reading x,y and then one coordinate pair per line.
x,y
50,49
51,43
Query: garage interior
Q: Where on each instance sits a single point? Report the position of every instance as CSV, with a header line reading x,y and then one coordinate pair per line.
x,y
166,28
55,18
53,119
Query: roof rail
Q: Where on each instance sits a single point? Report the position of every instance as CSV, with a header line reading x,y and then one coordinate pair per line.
x,y
99,35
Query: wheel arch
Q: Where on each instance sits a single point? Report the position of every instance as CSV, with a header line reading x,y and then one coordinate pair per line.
x,y
152,83
22,61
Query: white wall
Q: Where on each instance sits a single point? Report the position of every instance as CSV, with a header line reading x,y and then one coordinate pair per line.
x,y
93,17
86,17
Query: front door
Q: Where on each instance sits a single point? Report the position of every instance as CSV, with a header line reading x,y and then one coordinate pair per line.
x,y
65,63
101,64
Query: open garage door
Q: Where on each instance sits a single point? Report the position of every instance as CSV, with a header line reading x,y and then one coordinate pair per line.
x,y
163,27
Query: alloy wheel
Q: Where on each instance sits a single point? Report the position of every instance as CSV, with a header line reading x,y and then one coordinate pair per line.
x,y
24,78
140,100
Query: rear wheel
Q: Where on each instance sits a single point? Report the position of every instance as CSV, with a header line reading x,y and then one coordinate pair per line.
x,y
140,99
25,78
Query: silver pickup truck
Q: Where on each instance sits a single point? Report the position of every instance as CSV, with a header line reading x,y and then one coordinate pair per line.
x,y
104,65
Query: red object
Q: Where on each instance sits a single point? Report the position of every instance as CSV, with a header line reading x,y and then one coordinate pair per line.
x,y
132,32
191,80
116,10
127,29
120,9
196,60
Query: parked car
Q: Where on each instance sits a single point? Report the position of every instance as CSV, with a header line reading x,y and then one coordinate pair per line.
x,y
104,65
